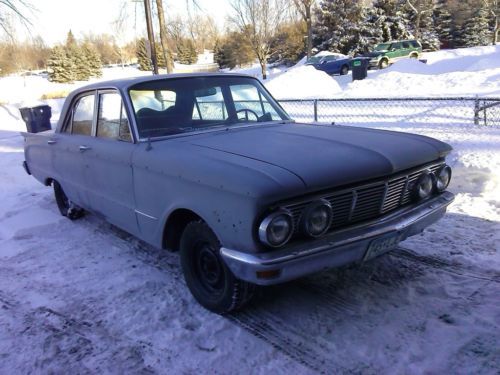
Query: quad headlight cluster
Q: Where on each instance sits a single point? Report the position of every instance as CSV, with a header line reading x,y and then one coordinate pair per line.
x,y
277,228
429,182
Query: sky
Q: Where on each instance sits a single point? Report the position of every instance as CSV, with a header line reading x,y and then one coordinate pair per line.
x,y
53,18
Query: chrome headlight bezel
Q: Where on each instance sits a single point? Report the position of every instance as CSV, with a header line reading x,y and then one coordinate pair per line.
x,y
423,186
305,223
266,225
440,187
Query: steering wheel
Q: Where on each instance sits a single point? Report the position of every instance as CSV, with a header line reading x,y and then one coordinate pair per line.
x,y
247,111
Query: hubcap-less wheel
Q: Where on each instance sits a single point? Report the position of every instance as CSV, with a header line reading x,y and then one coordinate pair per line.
x,y
208,278
66,207
209,268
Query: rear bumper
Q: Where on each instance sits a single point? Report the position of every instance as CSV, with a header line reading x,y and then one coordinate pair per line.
x,y
335,250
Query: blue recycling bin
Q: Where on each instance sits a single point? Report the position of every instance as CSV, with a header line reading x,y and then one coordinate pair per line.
x,y
37,118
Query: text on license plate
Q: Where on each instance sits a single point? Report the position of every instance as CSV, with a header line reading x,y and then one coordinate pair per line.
x,y
382,245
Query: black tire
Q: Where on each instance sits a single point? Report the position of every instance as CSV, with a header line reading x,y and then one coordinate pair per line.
x,y
414,56
344,70
384,63
211,283
66,207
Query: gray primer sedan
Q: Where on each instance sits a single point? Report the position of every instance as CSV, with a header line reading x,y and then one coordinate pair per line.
x,y
211,165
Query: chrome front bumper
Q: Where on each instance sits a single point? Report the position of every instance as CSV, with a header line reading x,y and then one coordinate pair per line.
x,y
336,249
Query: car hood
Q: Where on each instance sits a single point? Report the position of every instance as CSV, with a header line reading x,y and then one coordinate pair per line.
x,y
326,155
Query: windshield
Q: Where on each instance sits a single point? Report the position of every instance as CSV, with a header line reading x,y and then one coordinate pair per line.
x,y
314,59
382,47
181,105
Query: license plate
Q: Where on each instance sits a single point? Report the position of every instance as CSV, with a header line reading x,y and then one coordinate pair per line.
x,y
382,245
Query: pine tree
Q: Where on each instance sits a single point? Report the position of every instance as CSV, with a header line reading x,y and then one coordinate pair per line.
x,y
60,67
94,65
475,31
186,52
393,20
80,62
367,33
142,55
443,22
335,22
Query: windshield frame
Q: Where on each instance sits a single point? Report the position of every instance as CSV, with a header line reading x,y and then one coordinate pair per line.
x,y
223,81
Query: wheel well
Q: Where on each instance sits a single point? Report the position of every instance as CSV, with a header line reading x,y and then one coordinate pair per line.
x,y
414,54
48,181
174,227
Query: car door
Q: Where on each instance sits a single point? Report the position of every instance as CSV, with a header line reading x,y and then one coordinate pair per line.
x,y
394,51
329,65
108,162
405,49
69,146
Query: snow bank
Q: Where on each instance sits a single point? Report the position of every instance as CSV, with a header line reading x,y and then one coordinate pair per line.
x,y
303,82
461,72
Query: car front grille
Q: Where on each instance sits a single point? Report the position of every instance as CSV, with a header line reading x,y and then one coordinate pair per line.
x,y
364,201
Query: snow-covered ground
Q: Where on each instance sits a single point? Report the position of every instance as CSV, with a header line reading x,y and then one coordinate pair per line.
x,y
83,296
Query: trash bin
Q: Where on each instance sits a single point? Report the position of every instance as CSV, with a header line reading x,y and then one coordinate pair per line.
x,y
37,118
359,68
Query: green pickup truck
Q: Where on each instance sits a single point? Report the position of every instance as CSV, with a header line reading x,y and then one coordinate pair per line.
x,y
387,53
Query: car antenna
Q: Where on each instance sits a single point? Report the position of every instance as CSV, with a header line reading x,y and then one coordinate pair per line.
x,y
149,147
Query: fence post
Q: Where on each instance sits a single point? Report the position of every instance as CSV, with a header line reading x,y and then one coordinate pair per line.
x,y
476,110
315,110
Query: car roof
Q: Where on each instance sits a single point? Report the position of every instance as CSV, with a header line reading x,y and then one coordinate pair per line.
x,y
125,83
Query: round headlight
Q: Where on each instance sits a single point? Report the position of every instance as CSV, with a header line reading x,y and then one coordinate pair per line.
x,y
423,186
317,218
276,229
443,177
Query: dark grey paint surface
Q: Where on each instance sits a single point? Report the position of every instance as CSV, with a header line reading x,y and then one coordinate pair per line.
x,y
227,177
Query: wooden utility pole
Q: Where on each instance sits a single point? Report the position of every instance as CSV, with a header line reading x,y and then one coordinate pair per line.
x,y
151,37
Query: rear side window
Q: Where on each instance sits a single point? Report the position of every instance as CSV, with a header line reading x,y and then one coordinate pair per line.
x,y
83,115
112,121
415,44
406,45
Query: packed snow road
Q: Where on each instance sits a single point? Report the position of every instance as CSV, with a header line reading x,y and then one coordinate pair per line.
x,y
85,297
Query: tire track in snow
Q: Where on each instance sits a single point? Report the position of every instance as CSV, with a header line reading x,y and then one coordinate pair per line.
x,y
443,265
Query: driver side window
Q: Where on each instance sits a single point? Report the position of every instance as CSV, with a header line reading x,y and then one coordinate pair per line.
x,y
251,104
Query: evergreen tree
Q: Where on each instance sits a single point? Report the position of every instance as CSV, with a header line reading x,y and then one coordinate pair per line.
x,y
186,52
369,32
335,22
142,56
443,22
393,19
60,67
475,30
94,65
80,62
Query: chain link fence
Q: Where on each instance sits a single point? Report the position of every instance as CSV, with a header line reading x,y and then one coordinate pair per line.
x,y
384,111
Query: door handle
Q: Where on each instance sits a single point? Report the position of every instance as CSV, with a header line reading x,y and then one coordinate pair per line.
x,y
51,141
84,148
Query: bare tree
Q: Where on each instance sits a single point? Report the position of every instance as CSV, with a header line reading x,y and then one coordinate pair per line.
x,y
304,8
495,12
259,19
420,7
18,8
163,37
